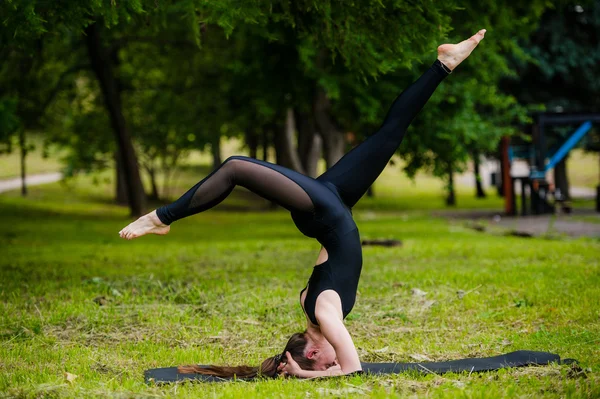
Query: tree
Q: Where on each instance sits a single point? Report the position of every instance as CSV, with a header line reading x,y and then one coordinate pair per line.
x,y
561,70
290,68
31,24
102,65
322,43
467,112
31,78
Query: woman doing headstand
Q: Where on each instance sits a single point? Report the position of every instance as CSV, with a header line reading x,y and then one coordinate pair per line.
x,y
321,209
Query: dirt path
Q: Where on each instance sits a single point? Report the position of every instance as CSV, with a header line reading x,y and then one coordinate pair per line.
x,y
33,180
581,223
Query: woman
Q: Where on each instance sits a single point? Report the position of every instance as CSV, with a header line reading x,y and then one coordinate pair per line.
x,y
320,208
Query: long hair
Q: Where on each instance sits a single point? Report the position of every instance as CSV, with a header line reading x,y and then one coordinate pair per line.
x,y
295,345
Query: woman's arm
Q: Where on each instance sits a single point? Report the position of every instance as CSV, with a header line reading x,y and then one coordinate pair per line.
x,y
328,314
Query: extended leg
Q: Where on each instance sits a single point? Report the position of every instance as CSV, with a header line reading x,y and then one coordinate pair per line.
x,y
273,182
354,173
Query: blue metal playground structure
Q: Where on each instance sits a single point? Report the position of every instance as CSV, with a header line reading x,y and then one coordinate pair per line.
x,y
542,198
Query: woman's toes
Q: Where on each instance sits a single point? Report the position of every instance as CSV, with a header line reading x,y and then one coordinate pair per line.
x,y
479,36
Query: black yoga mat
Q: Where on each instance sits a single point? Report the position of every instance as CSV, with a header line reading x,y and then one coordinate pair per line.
x,y
512,359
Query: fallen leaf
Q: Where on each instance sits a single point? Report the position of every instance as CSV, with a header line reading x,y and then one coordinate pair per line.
x,y
420,358
101,300
506,342
70,377
427,304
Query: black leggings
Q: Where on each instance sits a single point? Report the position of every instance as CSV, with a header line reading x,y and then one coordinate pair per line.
x,y
352,175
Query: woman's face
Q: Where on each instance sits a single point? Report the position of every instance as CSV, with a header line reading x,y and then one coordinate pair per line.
x,y
325,357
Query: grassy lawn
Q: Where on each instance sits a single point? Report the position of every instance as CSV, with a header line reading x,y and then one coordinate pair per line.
x,y
222,288
583,169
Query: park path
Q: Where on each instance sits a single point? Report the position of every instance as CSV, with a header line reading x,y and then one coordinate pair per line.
x,y
32,180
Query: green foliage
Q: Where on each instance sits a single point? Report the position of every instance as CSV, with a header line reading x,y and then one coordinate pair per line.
x,y
562,66
181,78
563,60
77,121
467,113
25,22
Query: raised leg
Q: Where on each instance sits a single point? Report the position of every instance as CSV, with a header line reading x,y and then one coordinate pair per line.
x,y
354,173
273,182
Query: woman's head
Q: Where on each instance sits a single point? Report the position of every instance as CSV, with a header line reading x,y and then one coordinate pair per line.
x,y
296,346
302,349
311,353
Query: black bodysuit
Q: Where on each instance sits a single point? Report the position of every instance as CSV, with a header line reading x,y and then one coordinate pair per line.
x,y
320,208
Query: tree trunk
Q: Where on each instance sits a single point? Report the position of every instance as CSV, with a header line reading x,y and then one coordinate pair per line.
x,y
285,144
561,179
252,142
500,177
121,184
265,145
101,64
215,149
154,195
309,143
333,138
480,192
23,151
451,198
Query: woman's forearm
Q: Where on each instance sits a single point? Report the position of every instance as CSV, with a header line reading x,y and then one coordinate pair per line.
x,y
331,372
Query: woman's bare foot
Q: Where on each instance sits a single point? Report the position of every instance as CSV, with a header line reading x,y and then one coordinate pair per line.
x,y
453,54
147,224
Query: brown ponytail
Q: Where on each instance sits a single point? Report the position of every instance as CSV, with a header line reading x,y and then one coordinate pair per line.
x,y
295,345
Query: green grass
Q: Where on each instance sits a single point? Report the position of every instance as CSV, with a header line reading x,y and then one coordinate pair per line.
x,y
583,169
223,287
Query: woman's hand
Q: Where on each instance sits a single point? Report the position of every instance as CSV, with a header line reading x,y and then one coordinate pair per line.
x,y
290,367
337,367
